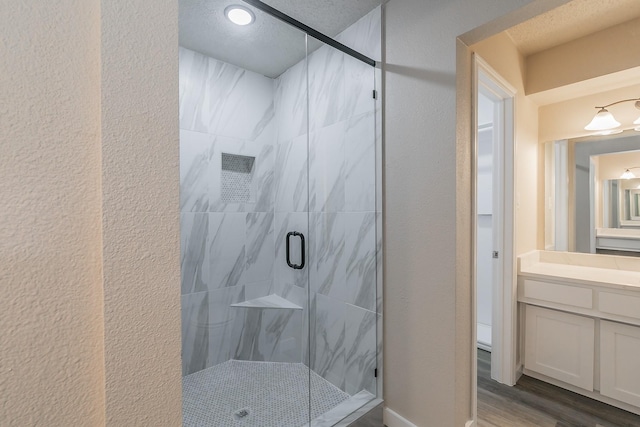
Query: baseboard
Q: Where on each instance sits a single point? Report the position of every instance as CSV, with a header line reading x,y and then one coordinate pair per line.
x,y
392,419
470,423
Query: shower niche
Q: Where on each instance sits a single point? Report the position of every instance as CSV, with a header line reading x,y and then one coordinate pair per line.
x,y
280,231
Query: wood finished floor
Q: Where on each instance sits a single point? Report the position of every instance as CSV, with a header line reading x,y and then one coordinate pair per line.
x,y
535,403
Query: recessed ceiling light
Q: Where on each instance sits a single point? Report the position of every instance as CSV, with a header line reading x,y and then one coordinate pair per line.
x,y
239,15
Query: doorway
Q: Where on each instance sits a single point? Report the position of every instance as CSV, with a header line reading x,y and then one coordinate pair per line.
x,y
493,221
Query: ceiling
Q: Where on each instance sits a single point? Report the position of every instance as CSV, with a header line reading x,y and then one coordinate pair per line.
x,y
268,46
570,21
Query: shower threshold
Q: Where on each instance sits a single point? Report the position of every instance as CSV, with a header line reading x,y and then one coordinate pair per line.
x,y
263,394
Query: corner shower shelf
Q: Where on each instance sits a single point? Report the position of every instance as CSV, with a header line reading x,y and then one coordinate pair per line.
x,y
270,301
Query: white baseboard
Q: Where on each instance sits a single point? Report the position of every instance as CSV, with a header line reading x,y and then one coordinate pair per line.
x,y
392,419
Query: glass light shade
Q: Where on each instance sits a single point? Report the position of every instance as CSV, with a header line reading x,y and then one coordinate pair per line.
x,y
603,120
637,121
239,15
627,175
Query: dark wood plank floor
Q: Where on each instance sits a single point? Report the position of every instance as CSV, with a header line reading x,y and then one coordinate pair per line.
x,y
530,403
535,403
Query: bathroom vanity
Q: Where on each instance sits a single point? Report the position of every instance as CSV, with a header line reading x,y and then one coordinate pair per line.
x,y
580,324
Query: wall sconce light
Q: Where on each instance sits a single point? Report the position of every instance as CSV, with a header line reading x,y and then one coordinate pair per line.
x,y
604,120
628,174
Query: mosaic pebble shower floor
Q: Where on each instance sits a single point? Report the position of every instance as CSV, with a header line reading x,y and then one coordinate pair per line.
x,y
271,394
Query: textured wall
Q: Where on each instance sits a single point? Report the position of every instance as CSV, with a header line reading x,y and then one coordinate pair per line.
x,y
427,313
140,212
51,358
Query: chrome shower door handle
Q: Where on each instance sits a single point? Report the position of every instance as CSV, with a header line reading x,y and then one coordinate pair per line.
x,y
288,251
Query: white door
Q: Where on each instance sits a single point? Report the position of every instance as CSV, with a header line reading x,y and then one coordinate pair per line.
x,y
494,275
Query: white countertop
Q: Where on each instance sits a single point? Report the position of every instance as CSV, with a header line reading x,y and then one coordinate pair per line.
x,y
536,265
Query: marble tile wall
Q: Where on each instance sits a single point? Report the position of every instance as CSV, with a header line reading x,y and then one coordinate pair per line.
x,y
228,248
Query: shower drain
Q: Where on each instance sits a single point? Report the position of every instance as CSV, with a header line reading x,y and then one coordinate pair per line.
x,y
241,413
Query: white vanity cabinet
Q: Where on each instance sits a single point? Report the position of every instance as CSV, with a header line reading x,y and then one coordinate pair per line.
x,y
620,362
580,327
560,345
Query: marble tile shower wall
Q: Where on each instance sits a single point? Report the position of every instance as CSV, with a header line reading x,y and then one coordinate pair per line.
x,y
227,233
341,201
234,250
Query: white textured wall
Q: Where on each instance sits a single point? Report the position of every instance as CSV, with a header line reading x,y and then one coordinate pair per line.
x,y
427,314
51,358
140,212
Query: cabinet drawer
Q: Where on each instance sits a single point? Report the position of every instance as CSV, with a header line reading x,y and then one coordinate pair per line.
x,y
560,345
561,294
620,362
622,305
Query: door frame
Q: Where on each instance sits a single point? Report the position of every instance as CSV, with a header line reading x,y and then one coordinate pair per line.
x,y
504,303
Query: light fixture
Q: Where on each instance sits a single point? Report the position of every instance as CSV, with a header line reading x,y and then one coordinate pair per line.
x,y
604,120
628,174
609,132
239,15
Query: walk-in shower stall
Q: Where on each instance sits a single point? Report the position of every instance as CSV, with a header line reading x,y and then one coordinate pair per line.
x,y
280,172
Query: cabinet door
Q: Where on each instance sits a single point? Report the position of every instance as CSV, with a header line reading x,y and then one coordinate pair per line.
x,y
620,362
560,345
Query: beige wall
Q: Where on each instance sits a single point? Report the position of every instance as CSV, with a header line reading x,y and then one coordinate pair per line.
x,y
140,212
502,55
427,296
89,221
611,166
617,48
51,344
567,119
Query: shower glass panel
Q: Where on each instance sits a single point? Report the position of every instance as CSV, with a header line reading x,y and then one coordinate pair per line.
x,y
280,231
342,221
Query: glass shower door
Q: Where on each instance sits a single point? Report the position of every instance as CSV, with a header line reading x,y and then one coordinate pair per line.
x,y
342,222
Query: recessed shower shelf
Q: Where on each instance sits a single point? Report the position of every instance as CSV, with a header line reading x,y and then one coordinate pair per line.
x,y
270,301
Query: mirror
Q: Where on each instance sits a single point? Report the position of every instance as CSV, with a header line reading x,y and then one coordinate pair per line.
x,y
621,203
588,206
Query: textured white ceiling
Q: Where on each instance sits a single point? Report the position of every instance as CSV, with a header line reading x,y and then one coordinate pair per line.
x,y
268,46
570,21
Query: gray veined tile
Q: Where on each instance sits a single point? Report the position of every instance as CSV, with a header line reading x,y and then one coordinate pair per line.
x,y
329,343
291,102
224,323
270,335
360,155
260,247
360,253
194,260
292,194
361,351
254,119
195,332
208,88
214,98
327,169
196,152
326,87
327,270
226,249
